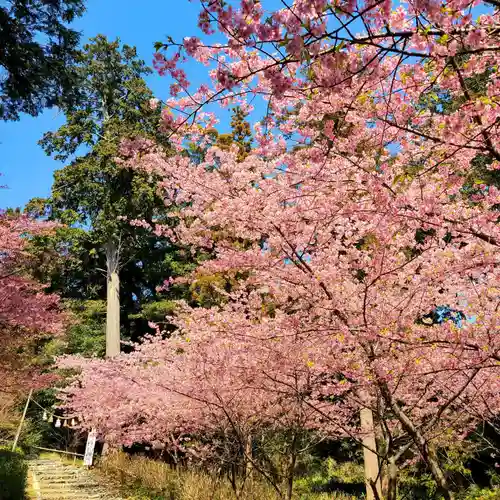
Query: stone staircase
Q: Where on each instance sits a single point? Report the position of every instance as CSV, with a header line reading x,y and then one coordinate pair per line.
x,y
51,479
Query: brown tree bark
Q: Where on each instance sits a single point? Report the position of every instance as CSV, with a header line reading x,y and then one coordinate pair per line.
x,y
291,467
369,442
248,456
426,449
392,479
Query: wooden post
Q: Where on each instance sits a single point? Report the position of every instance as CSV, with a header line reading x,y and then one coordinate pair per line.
x,y
18,433
88,458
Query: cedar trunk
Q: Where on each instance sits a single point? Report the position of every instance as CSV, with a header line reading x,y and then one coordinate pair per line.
x,y
112,302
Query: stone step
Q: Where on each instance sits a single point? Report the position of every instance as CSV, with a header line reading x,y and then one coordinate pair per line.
x,y
55,480
67,493
72,487
82,480
73,496
59,475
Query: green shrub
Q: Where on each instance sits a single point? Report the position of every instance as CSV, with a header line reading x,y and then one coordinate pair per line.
x,y
13,475
340,479
476,493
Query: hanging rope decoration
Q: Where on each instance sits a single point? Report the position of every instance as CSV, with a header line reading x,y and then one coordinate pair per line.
x,y
61,421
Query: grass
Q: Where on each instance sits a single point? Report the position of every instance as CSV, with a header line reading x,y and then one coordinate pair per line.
x,y
149,479
60,457
145,479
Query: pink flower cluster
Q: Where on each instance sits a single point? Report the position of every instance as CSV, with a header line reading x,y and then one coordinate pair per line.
x,y
349,222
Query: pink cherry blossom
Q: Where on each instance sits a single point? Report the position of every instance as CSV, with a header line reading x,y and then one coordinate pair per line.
x,y
347,225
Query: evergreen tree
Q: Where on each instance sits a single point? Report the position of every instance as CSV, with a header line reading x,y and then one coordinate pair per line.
x,y
96,195
37,53
240,134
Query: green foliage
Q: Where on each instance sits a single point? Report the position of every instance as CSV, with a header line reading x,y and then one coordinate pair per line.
x,y
96,197
331,475
13,474
113,102
205,289
67,261
345,472
93,190
87,336
418,484
440,102
32,435
37,55
477,493
240,135
481,175
156,311
42,433
469,467
143,479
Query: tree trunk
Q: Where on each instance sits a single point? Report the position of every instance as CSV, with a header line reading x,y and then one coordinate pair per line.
x,y
112,302
438,473
392,479
248,455
291,468
112,309
425,448
372,476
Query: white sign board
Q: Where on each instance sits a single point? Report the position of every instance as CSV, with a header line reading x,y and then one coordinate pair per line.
x,y
89,448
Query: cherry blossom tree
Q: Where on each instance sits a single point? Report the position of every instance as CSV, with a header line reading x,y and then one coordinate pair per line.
x,y
350,223
26,311
23,302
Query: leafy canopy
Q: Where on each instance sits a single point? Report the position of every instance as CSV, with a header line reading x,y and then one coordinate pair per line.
x,y
37,53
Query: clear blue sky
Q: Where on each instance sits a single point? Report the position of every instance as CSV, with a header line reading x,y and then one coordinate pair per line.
x,y
26,169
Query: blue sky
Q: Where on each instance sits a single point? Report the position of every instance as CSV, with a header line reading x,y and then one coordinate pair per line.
x,y
26,169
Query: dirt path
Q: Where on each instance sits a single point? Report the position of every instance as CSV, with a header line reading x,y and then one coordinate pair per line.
x,y
52,479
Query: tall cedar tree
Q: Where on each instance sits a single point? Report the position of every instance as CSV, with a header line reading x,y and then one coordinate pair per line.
x,y
96,194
